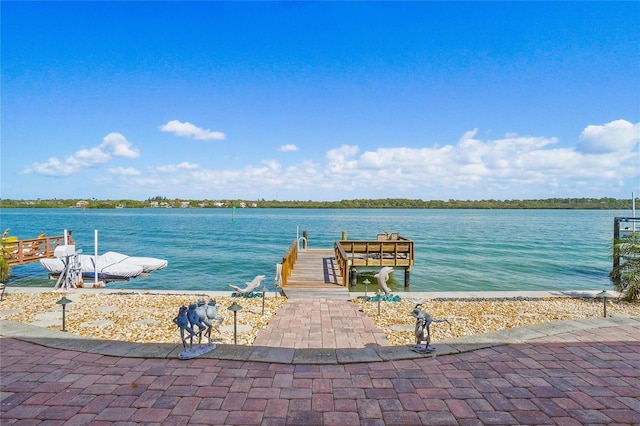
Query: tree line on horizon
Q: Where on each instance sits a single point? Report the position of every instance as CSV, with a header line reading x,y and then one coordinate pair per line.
x,y
383,203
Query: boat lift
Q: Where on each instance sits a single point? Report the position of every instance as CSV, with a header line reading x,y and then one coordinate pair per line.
x,y
71,276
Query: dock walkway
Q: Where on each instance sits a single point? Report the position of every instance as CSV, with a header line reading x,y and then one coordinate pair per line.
x,y
316,276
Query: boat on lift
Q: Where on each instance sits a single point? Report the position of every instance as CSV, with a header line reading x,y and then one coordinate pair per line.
x,y
110,266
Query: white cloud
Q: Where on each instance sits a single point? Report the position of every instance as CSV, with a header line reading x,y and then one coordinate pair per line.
x,y
288,148
187,129
113,145
512,166
618,135
118,146
512,163
174,168
52,167
125,171
338,159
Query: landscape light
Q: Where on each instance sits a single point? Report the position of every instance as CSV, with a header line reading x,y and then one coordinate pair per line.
x,y
235,308
64,301
604,295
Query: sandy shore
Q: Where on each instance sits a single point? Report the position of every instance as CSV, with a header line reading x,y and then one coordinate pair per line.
x,y
146,317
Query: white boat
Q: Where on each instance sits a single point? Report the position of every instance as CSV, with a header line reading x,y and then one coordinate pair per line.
x,y
111,266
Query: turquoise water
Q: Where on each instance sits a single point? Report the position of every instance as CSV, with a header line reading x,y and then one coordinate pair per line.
x,y
456,250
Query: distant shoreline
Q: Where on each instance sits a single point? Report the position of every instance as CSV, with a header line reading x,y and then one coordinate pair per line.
x,y
386,203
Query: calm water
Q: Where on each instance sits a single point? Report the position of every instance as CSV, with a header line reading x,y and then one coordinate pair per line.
x,y
456,250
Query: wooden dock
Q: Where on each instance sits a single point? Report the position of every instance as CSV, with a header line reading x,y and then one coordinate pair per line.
x,y
327,273
316,275
20,252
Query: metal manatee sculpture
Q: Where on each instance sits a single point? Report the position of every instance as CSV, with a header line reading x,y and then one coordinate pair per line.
x,y
383,277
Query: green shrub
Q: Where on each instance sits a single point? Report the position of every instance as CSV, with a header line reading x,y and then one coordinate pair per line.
x,y
626,276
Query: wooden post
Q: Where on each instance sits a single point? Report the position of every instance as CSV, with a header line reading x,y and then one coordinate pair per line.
x,y
285,271
304,240
616,237
407,277
344,235
353,276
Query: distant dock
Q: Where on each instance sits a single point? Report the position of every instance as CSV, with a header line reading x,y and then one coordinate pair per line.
x,y
623,226
20,252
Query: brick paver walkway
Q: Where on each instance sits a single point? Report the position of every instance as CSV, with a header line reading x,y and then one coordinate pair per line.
x,y
320,323
581,377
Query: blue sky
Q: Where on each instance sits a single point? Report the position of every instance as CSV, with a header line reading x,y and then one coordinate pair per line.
x,y
320,101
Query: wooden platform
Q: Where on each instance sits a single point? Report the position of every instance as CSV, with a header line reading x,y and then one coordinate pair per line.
x,y
316,276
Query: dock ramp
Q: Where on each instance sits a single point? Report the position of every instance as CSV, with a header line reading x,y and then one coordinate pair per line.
x,y
316,276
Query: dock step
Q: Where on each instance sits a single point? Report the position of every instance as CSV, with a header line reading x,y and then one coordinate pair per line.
x,y
297,293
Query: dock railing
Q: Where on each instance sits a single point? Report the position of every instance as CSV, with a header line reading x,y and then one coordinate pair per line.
x,y
288,261
343,262
20,252
362,253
